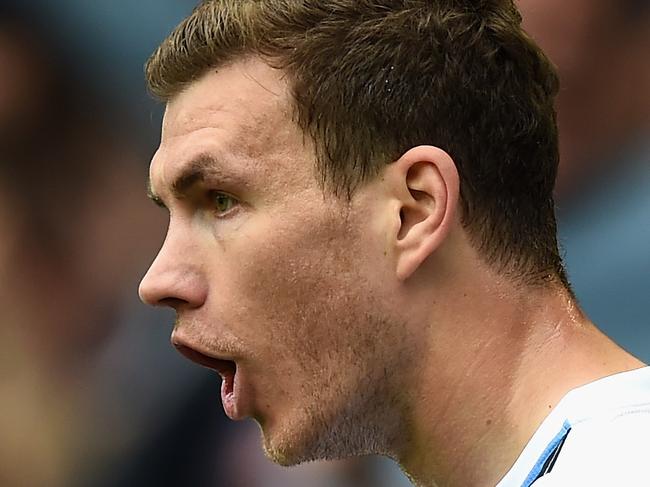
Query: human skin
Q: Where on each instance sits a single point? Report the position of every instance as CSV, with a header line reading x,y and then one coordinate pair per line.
x,y
363,326
285,284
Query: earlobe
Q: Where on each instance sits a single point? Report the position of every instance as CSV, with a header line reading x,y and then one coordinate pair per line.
x,y
428,189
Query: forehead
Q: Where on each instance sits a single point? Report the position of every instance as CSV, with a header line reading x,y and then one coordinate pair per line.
x,y
239,112
247,92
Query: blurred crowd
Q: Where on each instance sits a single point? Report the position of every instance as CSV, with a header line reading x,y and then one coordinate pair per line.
x,y
91,392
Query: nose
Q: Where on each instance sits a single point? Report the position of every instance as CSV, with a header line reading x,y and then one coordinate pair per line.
x,y
174,279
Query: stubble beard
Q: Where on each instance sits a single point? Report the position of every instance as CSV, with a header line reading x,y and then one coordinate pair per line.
x,y
362,417
352,363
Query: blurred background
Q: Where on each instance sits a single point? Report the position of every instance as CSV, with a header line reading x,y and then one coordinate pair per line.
x,y
91,392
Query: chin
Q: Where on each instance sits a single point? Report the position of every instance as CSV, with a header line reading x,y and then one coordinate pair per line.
x,y
280,457
286,446
295,440
283,454
315,437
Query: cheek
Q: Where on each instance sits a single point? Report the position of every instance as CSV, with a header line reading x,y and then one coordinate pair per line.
x,y
293,292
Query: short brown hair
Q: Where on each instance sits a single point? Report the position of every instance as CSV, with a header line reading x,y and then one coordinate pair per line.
x,y
373,78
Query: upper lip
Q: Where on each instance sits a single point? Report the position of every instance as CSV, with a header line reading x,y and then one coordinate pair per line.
x,y
221,363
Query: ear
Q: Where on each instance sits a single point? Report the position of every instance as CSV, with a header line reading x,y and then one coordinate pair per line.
x,y
426,186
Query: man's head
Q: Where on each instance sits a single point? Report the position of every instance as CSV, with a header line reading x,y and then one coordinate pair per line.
x,y
328,166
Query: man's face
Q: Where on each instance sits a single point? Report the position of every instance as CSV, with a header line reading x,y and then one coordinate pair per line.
x,y
266,269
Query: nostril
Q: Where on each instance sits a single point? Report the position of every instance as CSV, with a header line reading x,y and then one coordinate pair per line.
x,y
172,302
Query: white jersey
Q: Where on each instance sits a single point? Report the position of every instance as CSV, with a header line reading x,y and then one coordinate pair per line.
x,y
597,435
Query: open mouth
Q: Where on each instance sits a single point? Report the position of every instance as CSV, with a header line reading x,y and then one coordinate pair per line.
x,y
225,368
231,387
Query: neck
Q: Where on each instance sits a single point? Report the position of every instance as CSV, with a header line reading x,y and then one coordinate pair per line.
x,y
494,371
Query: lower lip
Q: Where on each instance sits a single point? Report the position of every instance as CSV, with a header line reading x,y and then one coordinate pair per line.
x,y
231,397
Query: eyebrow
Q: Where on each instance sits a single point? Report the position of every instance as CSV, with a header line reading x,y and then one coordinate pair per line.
x,y
196,171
